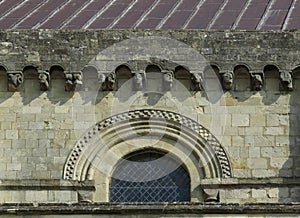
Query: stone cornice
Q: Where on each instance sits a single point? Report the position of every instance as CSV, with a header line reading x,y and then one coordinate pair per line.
x,y
148,208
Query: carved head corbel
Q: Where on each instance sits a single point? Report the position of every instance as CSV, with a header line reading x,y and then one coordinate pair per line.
x,y
102,81
139,80
227,80
197,81
15,80
286,81
73,81
111,81
257,81
168,78
44,79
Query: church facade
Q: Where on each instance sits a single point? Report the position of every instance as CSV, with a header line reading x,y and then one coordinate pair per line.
x,y
149,123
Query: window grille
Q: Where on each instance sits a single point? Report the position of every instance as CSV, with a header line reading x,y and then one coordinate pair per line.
x,y
150,177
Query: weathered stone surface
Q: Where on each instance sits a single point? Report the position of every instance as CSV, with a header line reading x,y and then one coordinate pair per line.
x,y
39,129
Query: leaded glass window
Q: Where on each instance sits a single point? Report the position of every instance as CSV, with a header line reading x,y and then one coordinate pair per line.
x,y
150,177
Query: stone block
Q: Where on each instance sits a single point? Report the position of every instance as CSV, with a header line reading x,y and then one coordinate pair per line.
x,y
274,152
36,125
257,163
274,131
240,120
263,173
13,166
36,196
254,152
259,193
11,134
32,110
257,120
273,192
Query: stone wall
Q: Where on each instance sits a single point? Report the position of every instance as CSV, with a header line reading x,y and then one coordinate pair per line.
x,y
258,128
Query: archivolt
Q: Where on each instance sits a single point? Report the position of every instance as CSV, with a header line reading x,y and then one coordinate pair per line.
x,y
168,125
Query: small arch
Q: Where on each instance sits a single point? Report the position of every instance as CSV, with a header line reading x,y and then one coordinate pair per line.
x,y
272,78
30,72
3,68
153,68
150,176
57,72
296,78
90,78
58,78
212,78
153,75
123,74
241,78
3,78
183,75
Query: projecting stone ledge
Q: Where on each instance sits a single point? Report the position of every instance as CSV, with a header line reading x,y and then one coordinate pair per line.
x,y
148,208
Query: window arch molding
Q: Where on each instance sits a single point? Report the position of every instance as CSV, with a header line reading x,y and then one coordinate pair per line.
x,y
199,151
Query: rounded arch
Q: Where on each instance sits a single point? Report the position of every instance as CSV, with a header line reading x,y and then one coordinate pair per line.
x,y
123,71
181,134
143,173
271,67
182,72
3,68
241,65
242,78
30,71
153,68
57,72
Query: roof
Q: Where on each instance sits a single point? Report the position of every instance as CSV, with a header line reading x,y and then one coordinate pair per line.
x,y
151,14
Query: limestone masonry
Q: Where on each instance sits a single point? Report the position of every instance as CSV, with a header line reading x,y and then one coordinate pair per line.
x,y
223,104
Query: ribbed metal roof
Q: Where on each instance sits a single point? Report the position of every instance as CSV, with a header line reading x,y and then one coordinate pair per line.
x,y
152,14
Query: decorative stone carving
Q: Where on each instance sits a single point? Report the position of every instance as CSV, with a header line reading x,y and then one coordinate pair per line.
x,y
44,78
139,80
257,81
102,81
15,80
72,170
197,81
73,81
227,80
286,81
111,81
168,77
211,195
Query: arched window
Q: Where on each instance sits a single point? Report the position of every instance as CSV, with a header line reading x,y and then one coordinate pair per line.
x,y
149,176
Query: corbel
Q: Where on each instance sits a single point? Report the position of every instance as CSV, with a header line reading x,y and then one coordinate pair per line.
x,y
286,81
15,80
168,79
257,80
44,79
73,81
139,80
197,81
227,79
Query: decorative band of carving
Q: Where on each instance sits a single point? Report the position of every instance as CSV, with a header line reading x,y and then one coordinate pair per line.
x,y
200,131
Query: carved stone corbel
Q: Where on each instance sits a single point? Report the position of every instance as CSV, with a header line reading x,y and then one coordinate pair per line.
x,y
211,195
44,79
73,81
102,81
286,81
111,81
257,81
139,80
168,78
197,81
227,80
15,80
